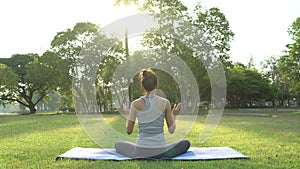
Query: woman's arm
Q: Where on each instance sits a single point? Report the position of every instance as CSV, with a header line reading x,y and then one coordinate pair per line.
x,y
171,116
130,119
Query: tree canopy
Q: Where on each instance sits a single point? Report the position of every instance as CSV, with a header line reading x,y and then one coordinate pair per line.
x,y
245,85
27,79
289,64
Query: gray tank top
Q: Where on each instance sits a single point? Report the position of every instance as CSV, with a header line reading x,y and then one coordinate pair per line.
x,y
151,125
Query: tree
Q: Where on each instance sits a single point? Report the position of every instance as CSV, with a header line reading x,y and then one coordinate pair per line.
x,y
235,85
210,31
126,2
214,23
63,79
246,85
278,82
105,73
67,45
290,62
8,81
211,21
26,80
92,67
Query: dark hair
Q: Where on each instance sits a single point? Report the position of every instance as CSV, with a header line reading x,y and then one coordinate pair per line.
x,y
148,79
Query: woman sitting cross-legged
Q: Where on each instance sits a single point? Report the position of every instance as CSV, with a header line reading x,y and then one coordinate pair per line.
x,y
151,111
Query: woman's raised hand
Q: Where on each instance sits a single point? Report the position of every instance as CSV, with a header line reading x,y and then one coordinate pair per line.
x,y
176,108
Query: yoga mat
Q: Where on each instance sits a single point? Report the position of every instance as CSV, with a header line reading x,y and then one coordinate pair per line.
x,y
205,153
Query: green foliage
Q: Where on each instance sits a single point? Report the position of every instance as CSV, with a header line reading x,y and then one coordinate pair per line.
x,y
192,44
245,85
8,82
126,2
8,78
65,49
104,83
214,23
280,85
15,91
32,78
114,55
18,62
289,63
59,69
69,43
174,7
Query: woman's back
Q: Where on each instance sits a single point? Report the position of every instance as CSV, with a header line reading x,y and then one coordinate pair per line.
x,y
151,123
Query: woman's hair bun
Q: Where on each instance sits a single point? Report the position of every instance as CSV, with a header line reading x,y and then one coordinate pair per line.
x,y
146,74
148,79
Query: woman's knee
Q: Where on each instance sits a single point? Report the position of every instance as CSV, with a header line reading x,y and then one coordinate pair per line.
x,y
117,146
186,143
125,148
120,145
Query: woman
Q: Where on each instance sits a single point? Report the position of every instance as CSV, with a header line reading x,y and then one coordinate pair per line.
x,y
151,110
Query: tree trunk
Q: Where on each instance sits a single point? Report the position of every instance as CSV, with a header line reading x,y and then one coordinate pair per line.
x,y
298,100
129,91
32,108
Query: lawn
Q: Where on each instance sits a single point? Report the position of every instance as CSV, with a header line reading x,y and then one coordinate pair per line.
x,y
33,141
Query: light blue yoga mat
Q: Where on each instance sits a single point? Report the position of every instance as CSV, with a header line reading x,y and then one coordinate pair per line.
x,y
206,153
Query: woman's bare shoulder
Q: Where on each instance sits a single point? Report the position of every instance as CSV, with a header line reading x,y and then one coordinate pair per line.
x,y
138,101
162,99
139,104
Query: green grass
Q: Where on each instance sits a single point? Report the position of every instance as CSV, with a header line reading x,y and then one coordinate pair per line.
x,y
33,141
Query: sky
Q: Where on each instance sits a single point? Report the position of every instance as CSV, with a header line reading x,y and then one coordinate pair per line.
x,y
260,26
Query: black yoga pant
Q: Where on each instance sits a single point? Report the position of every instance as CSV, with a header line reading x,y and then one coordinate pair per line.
x,y
172,150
